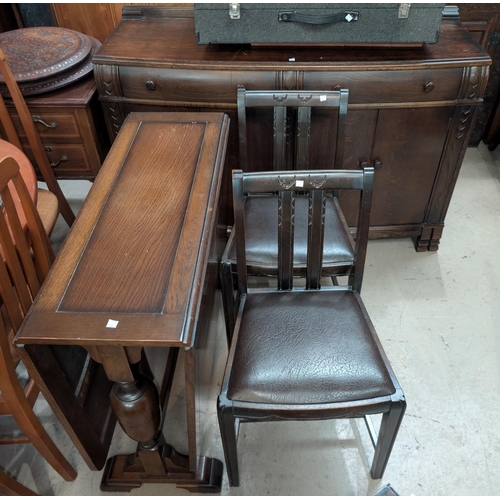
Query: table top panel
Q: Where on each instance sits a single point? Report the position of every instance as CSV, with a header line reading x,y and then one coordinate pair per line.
x,y
138,249
145,241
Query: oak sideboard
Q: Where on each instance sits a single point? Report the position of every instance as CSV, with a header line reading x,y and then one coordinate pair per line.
x,y
410,113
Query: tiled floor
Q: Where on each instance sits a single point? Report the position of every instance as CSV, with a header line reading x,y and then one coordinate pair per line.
x,y
438,316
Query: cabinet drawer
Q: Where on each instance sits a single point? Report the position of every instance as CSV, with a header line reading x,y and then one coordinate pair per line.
x,y
191,85
56,125
77,164
220,86
390,86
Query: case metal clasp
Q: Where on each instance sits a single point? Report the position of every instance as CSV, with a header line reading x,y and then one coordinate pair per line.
x,y
234,10
404,10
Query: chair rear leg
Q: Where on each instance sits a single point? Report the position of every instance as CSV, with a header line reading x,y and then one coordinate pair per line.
x,y
226,279
386,437
30,425
9,486
227,426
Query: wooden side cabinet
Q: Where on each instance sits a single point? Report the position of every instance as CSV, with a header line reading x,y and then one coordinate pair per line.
x,y
72,129
410,110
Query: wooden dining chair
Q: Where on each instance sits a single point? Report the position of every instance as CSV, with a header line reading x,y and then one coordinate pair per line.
x,y
305,352
298,117
35,144
25,260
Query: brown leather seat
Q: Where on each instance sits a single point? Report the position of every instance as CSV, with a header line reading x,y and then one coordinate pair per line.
x,y
302,353
336,360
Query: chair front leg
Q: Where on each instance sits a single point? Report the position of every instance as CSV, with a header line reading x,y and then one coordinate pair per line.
x,y
386,437
227,425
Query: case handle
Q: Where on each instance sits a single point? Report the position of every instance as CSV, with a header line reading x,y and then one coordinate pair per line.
x,y
294,17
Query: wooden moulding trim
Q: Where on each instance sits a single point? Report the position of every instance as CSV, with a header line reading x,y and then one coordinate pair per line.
x,y
163,330
296,66
400,231
232,105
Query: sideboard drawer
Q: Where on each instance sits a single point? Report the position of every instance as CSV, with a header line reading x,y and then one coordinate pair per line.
x,y
220,86
54,126
390,86
190,86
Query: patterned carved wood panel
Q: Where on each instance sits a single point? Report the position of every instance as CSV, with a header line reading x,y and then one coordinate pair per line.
x,y
483,23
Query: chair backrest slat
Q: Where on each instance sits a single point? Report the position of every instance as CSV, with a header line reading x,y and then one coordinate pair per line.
x,y
316,236
280,138
286,214
14,253
303,138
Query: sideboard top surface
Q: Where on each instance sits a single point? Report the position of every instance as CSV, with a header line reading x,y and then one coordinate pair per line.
x,y
170,43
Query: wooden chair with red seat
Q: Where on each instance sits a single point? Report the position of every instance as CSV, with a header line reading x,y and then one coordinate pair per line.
x,y
26,257
306,352
46,204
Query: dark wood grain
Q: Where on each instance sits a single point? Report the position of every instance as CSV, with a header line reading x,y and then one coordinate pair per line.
x,y
142,252
405,93
180,50
130,261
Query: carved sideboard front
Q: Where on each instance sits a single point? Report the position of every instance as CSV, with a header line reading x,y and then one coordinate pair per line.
x,y
410,111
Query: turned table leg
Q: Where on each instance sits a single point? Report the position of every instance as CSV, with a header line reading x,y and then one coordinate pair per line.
x,y
137,405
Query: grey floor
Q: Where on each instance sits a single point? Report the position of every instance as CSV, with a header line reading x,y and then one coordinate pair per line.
x,y
438,316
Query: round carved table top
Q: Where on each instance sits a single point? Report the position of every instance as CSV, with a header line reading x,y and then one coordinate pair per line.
x,y
42,52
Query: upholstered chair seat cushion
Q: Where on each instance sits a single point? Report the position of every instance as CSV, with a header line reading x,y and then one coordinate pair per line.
x,y
306,348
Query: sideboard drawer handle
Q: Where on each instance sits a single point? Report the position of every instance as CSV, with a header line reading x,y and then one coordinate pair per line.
x,y
55,164
150,85
428,86
37,119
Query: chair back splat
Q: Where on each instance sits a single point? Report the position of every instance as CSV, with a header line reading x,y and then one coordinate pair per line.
x,y
319,185
310,351
296,121
292,121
